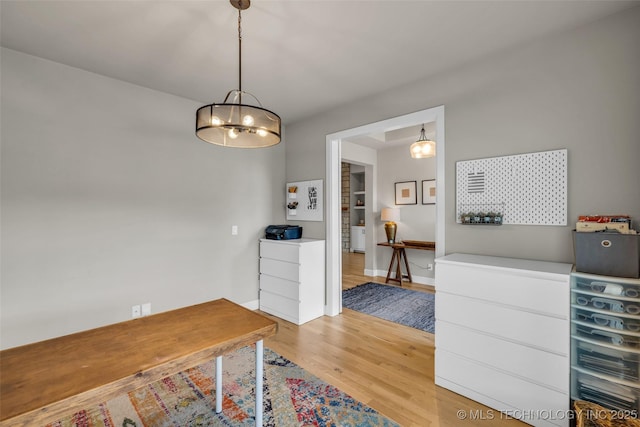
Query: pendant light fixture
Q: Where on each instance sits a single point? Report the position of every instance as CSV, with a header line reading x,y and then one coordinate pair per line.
x,y
423,148
233,123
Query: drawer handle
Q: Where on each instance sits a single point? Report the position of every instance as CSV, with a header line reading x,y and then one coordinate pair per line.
x,y
632,309
633,327
607,288
632,293
615,338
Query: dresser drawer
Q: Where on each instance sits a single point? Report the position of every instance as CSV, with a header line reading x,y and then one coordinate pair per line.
x,y
502,286
282,269
280,306
280,251
549,369
276,285
543,332
500,390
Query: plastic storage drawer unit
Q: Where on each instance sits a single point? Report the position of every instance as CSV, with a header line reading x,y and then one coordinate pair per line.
x,y
605,341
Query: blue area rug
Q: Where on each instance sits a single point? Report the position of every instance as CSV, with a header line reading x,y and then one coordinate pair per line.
x,y
404,306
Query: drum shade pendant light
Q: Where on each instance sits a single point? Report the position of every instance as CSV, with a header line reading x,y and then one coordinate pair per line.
x,y
423,148
233,123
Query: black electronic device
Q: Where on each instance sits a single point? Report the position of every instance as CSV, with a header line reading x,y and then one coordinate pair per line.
x,y
283,232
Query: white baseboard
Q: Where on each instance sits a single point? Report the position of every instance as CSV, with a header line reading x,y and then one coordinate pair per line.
x,y
422,280
252,305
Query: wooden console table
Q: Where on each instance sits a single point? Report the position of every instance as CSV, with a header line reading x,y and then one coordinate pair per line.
x,y
399,255
44,381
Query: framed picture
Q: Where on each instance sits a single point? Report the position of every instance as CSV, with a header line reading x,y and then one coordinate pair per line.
x,y
429,192
406,193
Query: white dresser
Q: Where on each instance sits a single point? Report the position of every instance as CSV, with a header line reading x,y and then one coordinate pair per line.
x,y
502,334
292,284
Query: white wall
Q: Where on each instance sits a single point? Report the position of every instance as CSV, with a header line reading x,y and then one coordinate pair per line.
x,y
417,222
576,90
109,200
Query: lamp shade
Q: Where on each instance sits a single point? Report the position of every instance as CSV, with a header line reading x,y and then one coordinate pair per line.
x,y
238,125
390,214
423,148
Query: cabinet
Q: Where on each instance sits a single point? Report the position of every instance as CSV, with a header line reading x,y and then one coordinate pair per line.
x,y
292,284
358,235
358,197
502,334
605,341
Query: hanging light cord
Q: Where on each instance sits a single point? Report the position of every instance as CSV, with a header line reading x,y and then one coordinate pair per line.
x,y
240,53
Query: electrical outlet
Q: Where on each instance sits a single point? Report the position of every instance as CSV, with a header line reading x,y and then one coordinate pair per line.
x,y
234,230
429,267
135,311
146,309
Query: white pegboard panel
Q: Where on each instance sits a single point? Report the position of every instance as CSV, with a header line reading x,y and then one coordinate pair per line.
x,y
531,188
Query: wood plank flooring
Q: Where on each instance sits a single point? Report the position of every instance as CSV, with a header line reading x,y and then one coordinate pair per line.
x,y
385,365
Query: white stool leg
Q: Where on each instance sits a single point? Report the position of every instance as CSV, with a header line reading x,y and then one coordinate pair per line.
x,y
259,375
218,384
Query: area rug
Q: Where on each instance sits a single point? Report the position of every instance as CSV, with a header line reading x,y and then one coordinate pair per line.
x,y
404,306
292,396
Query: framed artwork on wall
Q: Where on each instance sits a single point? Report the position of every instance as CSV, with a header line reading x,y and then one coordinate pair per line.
x,y
406,193
429,192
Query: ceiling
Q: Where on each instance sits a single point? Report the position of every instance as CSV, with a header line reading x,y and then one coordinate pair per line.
x,y
300,57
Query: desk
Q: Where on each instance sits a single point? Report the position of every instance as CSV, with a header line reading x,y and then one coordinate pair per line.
x,y
399,255
44,381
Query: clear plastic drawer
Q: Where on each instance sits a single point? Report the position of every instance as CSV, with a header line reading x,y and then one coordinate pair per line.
x,y
623,365
606,336
605,302
606,319
607,286
610,394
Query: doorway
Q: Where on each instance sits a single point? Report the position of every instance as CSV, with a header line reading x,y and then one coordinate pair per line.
x,y
334,157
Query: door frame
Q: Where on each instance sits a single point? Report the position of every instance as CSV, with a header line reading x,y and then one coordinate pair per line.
x,y
333,301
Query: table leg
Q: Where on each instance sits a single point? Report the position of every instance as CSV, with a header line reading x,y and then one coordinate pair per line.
x,y
259,376
398,265
393,256
218,384
406,264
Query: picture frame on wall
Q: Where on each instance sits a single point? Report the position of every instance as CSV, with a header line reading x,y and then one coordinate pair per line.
x,y
406,193
429,192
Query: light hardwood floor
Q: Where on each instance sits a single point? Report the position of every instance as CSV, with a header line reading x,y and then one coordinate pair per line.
x,y
385,365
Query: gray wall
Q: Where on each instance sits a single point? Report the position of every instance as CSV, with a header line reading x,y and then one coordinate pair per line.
x,y
577,90
417,222
109,200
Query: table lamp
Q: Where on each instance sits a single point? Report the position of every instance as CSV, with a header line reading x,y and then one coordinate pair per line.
x,y
390,227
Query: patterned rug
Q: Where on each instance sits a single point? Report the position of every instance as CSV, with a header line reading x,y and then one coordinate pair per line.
x,y
399,305
293,397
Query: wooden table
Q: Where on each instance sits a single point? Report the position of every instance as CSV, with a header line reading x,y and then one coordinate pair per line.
x,y
45,381
399,255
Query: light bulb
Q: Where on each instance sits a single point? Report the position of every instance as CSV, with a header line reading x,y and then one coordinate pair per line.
x,y
215,121
247,120
233,133
261,132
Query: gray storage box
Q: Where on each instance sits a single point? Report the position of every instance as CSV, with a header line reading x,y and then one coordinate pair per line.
x,y
607,254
